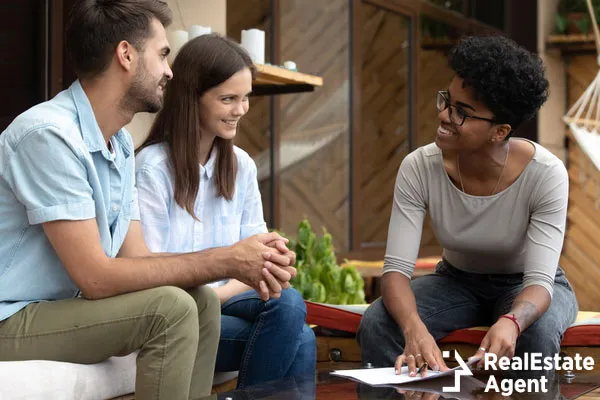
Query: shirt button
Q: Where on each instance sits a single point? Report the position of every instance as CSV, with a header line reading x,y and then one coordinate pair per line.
x,y
115,207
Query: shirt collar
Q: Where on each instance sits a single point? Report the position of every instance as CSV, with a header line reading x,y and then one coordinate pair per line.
x,y
209,167
90,131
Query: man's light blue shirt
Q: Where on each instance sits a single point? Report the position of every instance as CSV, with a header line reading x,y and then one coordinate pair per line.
x,y
55,165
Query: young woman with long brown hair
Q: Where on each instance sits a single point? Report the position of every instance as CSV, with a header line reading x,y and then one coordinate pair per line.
x,y
197,190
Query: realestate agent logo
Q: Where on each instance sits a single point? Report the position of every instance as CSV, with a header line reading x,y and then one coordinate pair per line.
x,y
529,362
462,370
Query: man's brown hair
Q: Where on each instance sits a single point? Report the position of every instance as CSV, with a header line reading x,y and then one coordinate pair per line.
x,y
96,27
202,64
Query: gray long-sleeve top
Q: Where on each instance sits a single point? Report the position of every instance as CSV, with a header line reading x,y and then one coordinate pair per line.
x,y
519,229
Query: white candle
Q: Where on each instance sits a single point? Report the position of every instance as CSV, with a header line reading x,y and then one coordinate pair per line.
x,y
198,30
176,40
253,40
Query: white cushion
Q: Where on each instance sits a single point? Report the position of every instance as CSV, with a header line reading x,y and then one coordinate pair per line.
x,y
222,377
53,380
60,380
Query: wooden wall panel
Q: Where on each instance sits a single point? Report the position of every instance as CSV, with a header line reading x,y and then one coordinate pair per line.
x,y
385,117
314,149
581,252
581,71
384,131
434,74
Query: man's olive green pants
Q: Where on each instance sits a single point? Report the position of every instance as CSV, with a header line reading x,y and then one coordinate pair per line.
x,y
175,331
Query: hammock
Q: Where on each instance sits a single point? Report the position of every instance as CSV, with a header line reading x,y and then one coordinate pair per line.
x,y
583,118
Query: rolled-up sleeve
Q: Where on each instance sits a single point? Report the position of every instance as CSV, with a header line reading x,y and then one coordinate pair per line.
x,y
545,234
49,178
406,222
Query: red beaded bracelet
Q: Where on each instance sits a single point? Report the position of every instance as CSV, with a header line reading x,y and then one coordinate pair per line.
x,y
513,319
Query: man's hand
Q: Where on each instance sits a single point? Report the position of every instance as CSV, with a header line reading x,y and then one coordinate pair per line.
x,y
283,249
280,245
262,267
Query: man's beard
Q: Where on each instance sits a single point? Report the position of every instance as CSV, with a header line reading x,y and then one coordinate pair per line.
x,y
141,97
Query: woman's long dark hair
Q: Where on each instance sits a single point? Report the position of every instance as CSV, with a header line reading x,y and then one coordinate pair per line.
x,y
202,63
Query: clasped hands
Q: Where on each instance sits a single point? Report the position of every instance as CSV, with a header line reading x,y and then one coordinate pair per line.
x,y
265,263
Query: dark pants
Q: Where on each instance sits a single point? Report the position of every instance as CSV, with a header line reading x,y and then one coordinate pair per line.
x,y
452,299
266,341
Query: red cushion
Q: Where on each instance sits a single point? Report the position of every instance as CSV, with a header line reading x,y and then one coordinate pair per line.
x,y
333,318
580,335
585,332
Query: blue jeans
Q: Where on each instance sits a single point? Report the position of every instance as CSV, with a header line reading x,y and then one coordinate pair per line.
x,y
265,341
452,299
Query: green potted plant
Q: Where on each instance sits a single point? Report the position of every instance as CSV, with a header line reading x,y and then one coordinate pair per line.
x,y
573,17
319,278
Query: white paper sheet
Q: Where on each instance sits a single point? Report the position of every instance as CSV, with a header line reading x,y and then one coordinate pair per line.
x,y
387,376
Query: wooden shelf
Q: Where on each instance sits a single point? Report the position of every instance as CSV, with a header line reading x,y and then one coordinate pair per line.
x,y
276,80
576,43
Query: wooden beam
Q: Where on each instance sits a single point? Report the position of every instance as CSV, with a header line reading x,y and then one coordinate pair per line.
x,y
427,9
356,38
275,139
572,43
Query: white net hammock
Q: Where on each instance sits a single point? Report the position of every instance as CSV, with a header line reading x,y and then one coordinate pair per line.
x,y
583,118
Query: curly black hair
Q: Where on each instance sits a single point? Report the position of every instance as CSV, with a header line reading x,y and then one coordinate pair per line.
x,y
506,77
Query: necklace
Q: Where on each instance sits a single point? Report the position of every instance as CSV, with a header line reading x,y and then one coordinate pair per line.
x,y
462,187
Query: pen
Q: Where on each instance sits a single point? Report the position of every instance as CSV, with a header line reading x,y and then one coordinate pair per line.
x,y
423,367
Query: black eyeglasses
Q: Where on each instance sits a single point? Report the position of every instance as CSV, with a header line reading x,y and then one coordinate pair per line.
x,y
457,114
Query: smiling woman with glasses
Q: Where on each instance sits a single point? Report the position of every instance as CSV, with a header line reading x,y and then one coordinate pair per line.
x,y
498,207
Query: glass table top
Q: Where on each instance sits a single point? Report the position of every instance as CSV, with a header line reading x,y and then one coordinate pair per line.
x,y
328,387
